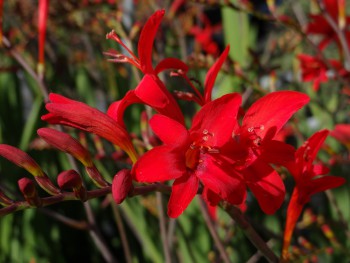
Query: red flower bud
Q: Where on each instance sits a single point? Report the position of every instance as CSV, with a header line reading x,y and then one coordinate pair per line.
x,y
66,143
23,160
29,192
43,11
122,185
71,180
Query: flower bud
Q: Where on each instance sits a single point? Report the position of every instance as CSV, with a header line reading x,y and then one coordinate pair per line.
x,y
23,160
66,143
29,192
71,180
122,185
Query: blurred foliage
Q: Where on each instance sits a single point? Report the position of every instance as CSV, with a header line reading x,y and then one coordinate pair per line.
x,y
262,59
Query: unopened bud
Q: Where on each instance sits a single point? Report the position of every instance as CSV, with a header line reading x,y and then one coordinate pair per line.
x,y
122,185
28,189
66,143
23,160
71,180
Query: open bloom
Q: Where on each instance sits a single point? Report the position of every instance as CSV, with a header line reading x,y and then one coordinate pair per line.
x,y
320,26
78,115
151,90
193,156
307,182
260,126
316,70
254,146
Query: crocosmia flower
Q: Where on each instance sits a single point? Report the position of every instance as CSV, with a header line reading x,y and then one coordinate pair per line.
x,y
193,156
308,181
151,90
316,70
254,146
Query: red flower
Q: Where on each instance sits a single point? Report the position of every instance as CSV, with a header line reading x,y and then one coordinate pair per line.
x,y
316,70
204,36
254,146
320,25
151,90
307,182
260,126
193,156
81,116
341,132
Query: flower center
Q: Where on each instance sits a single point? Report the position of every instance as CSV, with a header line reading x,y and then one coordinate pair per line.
x,y
197,148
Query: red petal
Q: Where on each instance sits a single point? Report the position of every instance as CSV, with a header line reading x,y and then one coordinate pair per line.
x,y
57,98
211,198
170,131
147,36
266,185
293,212
220,178
160,164
212,74
318,185
183,191
171,63
116,109
79,115
152,92
277,152
268,114
216,120
307,152
320,169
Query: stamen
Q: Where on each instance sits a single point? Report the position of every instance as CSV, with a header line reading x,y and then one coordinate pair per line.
x,y
113,35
